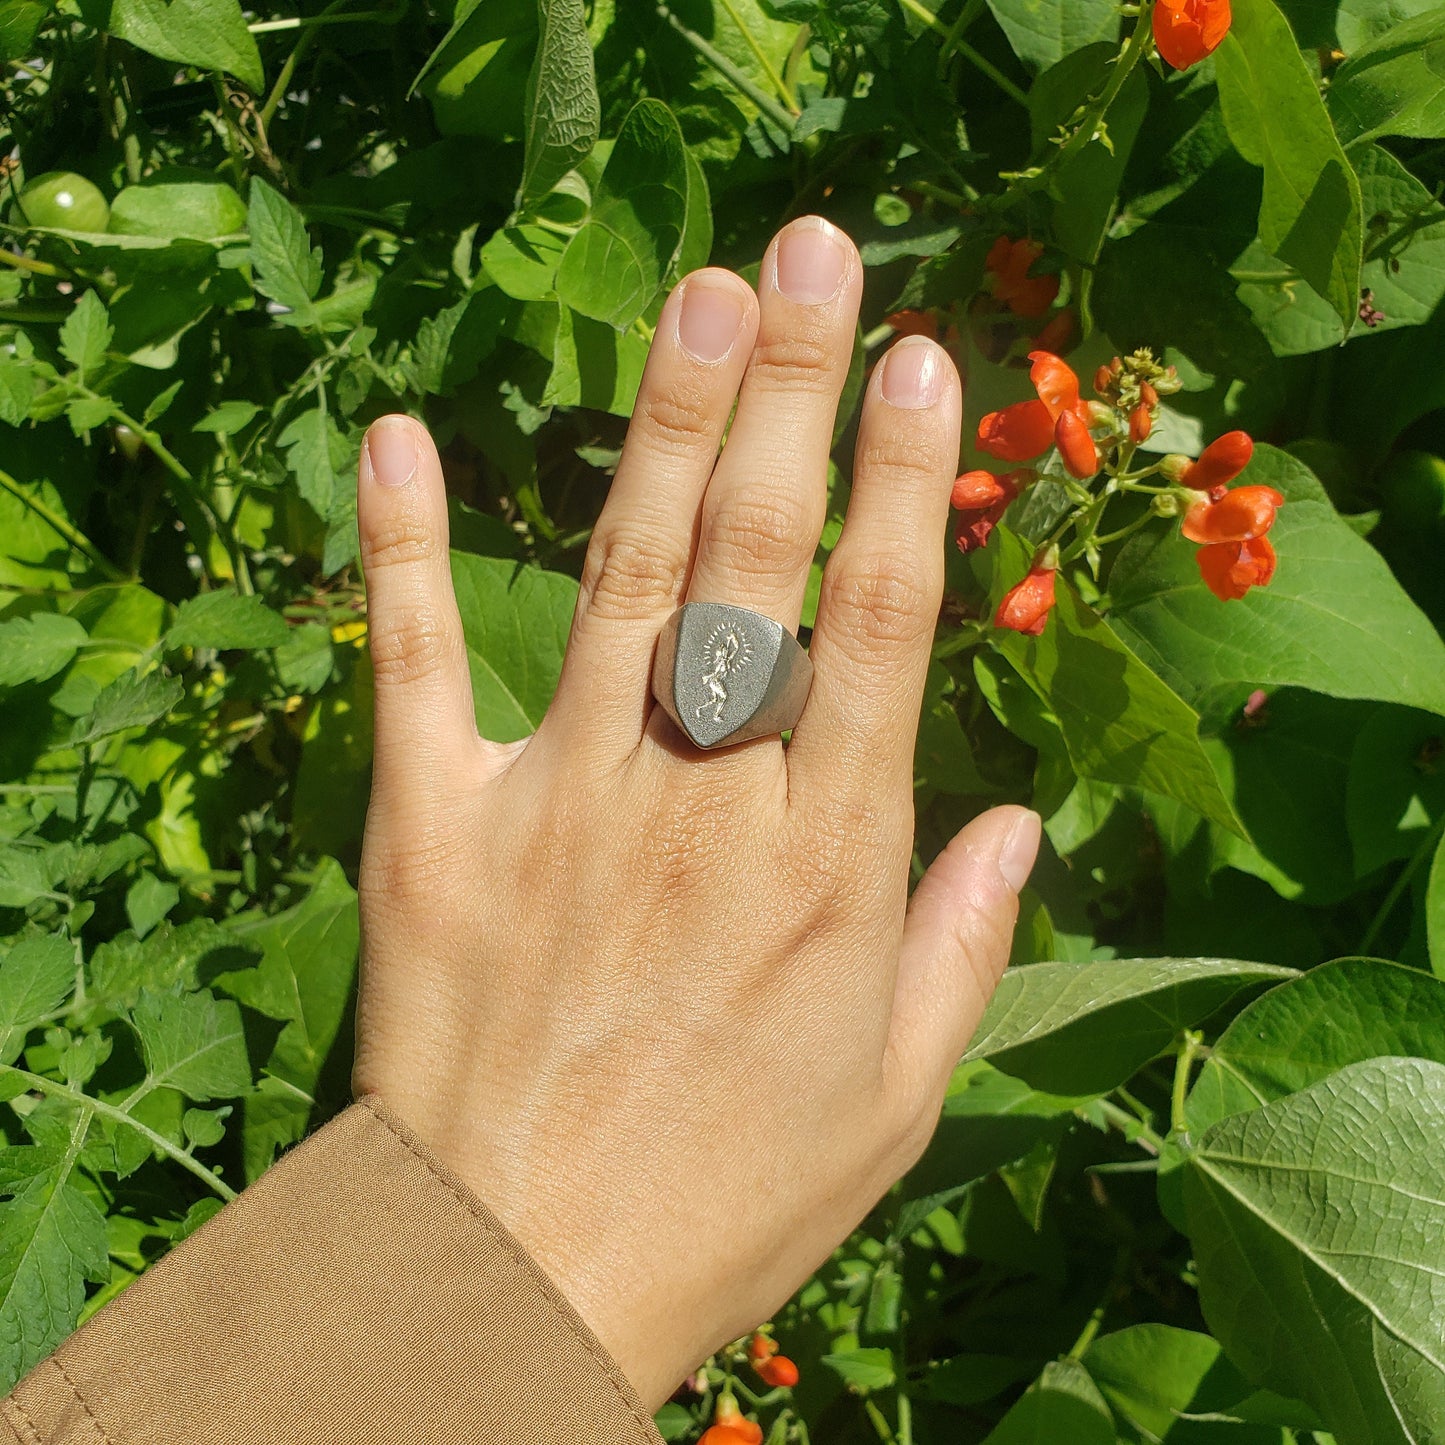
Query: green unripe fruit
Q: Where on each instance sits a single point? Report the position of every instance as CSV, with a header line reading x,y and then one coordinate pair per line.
x,y
178,204
64,201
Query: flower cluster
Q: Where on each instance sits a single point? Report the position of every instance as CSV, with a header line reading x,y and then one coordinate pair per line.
x,y
1186,31
774,1368
1104,435
731,1427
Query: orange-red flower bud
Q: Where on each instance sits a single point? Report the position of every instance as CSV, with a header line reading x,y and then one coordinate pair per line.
x,y
1221,461
1141,423
731,1427
1026,606
760,1347
779,1370
1230,569
1188,30
1018,433
978,518
1076,446
1238,516
1008,264
1147,394
1103,379
973,490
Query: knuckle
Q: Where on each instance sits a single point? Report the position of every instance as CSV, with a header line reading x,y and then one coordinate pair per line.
x,y
624,577
905,459
762,531
399,540
410,646
841,845
796,362
881,599
678,422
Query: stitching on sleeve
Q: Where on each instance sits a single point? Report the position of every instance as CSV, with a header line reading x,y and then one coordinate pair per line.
x,y
100,1430
645,1425
15,1408
18,1420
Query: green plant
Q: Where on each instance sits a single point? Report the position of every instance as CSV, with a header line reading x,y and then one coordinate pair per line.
x,y
1185,1183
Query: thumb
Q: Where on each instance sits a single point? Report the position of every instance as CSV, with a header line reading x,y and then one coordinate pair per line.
x,y
956,940
425,728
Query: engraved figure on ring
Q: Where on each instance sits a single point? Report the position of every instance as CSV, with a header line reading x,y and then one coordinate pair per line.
x,y
727,653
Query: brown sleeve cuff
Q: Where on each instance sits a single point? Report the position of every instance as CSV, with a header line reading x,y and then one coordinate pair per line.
x,y
357,1292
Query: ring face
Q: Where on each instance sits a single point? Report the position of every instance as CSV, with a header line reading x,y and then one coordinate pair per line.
x,y
725,674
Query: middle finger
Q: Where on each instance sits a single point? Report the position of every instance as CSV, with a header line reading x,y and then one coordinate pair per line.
x,y
763,509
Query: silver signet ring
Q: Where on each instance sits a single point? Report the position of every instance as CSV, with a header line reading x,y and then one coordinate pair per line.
x,y
725,674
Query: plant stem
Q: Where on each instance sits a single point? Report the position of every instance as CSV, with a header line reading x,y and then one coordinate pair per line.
x,y
730,72
1424,849
1145,1137
119,1116
74,537
1190,1043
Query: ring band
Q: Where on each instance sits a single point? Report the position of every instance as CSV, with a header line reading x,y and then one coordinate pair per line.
x,y
725,674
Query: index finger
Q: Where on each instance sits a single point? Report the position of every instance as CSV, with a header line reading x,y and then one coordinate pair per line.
x,y
883,584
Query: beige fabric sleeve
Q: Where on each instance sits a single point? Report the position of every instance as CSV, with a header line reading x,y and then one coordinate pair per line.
x,y
357,1292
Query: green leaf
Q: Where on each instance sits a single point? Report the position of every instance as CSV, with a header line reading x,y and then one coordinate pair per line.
x,y
209,34
226,619
523,260
1435,911
516,620
36,977
36,647
866,1369
308,965
227,418
1121,723
20,22
1063,1404
288,270
1396,789
1361,21
131,701
1311,215
194,1043
1316,1223
1333,618
563,111
165,205
1308,1028
52,1239
86,335
148,900
620,258
1151,1373
1395,85
18,385
168,959
1084,1028
1044,32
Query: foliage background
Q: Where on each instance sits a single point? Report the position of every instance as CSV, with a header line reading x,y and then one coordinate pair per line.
x,y
321,213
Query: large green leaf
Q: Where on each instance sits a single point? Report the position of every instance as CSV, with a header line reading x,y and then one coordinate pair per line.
x,y
1311,215
1121,723
1306,1029
1043,32
193,1042
209,34
1084,1028
1395,85
516,619
1062,1404
226,619
36,647
1333,618
288,268
563,111
618,260
1361,21
1316,1222
36,977
131,701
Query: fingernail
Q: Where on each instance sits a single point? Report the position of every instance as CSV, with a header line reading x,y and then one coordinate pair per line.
x,y
913,372
1020,849
389,451
810,262
708,323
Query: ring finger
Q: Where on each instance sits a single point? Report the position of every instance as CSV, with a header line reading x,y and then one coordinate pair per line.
x,y
763,509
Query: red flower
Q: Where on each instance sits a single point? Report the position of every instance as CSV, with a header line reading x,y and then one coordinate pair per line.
x,y
779,1370
1221,461
1057,385
1025,607
1187,30
1238,516
1008,265
731,1427
1076,446
761,1348
1018,433
982,499
1230,569
1141,423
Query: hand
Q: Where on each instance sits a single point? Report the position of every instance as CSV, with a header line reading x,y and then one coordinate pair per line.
x,y
671,1013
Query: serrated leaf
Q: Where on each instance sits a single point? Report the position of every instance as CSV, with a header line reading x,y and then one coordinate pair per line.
x,y
1084,1028
17,390
310,441
288,269
226,619
563,112
131,701
167,959
86,335
1311,214
209,34
1316,1222
621,256
36,977
516,621
193,1043
36,647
